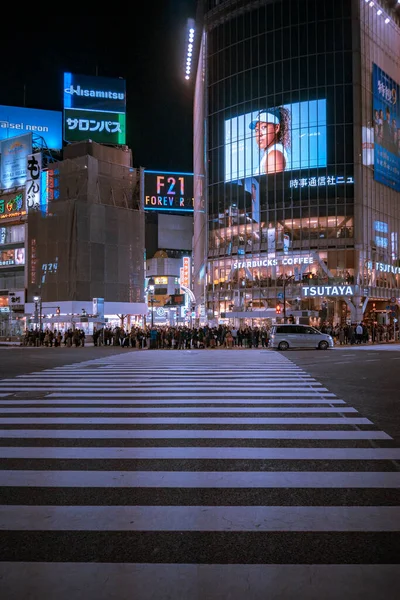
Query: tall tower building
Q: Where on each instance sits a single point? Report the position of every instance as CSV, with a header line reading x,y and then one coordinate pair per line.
x,y
297,159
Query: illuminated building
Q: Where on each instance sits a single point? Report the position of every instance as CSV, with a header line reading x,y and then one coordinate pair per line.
x,y
297,154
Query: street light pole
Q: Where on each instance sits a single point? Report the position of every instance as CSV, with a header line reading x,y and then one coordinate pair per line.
x,y
150,287
38,306
152,313
285,280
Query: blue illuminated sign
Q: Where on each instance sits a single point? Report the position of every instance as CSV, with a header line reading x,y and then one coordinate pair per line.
x,y
94,108
381,226
273,140
386,119
15,120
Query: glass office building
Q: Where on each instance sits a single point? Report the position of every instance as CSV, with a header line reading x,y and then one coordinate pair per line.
x,y
297,159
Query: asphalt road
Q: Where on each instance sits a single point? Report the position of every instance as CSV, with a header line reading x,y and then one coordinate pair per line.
x,y
367,379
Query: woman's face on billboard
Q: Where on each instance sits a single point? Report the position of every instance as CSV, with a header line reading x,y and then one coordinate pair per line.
x,y
265,134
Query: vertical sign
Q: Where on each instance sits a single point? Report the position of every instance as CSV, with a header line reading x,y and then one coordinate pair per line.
x,y
34,169
386,118
185,280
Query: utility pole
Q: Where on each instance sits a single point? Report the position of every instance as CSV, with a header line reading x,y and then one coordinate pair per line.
x,y
285,279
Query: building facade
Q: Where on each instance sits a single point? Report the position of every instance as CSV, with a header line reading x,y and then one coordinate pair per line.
x,y
88,241
297,159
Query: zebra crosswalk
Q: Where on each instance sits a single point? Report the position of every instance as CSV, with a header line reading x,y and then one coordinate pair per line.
x,y
202,475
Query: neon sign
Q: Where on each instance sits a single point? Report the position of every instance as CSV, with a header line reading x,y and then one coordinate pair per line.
x,y
327,290
12,207
168,191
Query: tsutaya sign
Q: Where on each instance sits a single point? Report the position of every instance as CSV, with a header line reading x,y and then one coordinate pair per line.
x,y
383,268
327,290
273,262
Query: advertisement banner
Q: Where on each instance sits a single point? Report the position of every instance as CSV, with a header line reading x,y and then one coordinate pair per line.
x,y
12,205
168,191
284,138
16,120
186,272
16,300
14,159
12,258
94,108
32,186
386,120
104,128
98,308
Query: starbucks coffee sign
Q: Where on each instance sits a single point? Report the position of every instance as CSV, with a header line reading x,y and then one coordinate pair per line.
x,y
309,291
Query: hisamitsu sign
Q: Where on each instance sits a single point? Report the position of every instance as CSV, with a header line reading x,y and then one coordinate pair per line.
x,y
309,291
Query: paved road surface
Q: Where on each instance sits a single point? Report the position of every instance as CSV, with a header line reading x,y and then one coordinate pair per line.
x,y
191,475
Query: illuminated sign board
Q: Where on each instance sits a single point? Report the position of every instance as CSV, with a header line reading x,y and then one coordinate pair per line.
x,y
298,141
168,191
15,120
327,290
34,168
95,109
321,181
49,187
186,272
386,119
273,262
12,258
175,300
16,300
383,268
14,160
12,206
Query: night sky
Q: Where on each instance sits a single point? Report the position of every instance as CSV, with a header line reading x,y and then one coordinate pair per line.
x,y
147,50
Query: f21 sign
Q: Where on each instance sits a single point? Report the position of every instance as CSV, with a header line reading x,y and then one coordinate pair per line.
x,y
168,191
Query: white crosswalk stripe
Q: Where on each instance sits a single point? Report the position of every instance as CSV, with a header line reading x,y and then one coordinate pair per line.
x,y
166,467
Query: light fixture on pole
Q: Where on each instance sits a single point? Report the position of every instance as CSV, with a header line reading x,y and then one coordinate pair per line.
x,y
38,310
150,287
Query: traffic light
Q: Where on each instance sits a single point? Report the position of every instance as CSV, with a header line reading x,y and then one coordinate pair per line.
x,y
57,310
278,309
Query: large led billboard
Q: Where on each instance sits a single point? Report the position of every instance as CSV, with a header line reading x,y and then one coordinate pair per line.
x,y
15,120
272,140
168,191
95,109
386,120
14,160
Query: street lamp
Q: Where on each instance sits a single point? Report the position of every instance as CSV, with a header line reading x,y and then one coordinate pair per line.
x,y
285,279
151,299
38,306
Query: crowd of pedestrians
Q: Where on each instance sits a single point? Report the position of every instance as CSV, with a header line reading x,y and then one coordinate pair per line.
x,y
47,337
183,338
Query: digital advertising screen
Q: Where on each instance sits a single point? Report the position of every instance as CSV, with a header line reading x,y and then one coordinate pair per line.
x,y
16,120
12,258
14,160
284,138
94,108
168,191
386,121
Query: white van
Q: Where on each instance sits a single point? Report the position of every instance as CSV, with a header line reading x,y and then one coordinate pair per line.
x,y
298,336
